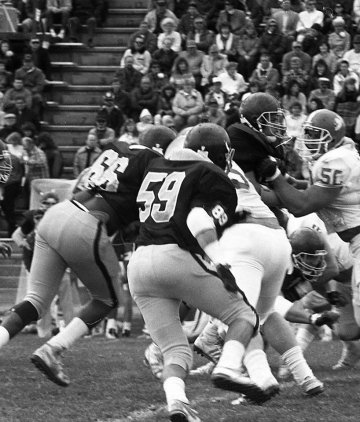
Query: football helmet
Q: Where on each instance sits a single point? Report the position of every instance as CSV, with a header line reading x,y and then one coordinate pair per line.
x,y
321,128
158,138
212,141
308,252
5,163
261,110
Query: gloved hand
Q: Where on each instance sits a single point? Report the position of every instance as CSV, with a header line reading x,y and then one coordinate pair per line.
x,y
325,318
227,277
267,170
336,298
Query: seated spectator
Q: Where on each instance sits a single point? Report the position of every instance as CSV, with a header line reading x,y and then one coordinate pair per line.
x,y
232,82
166,57
286,20
5,78
227,42
28,129
338,10
168,27
293,95
295,119
24,114
186,23
114,116
128,76
214,114
129,132
339,40
202,36
168,121
270,7
356,13
86,155
142,57
145,122
231,110
308,18
121,97
328,56
273,43
265,74
143,96
27,16
324,93
188,105
215,92
166,99
17,91
9,127
41,57
248,51
34,80
297,73
312,40
157,78
157,14
234,17
320,70
58,11
53,154
212,65
347,104
296,51
150,39
14,144
104,135
353,55
11,60
180,72
86,12
343,73
194,57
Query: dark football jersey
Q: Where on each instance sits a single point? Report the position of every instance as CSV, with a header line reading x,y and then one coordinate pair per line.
x,y
117,175
169,191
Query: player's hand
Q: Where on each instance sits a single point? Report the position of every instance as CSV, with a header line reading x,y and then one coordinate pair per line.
x,y
325,318
267,170
227,277
5,250
336,298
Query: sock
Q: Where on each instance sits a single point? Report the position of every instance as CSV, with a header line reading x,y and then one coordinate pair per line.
x,y
258,368
71,333
232,355
4,336
174,388
305,336
111,323
297,364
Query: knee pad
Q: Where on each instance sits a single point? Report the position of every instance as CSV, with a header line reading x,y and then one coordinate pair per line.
x,y
95,311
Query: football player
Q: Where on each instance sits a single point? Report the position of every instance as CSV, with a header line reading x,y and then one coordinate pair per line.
x,y
77,234
184,202
5,170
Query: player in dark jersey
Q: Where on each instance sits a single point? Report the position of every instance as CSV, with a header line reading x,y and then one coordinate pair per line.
x,y
77,234
183,202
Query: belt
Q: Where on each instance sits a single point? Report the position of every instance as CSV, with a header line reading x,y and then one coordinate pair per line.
x,y
349,234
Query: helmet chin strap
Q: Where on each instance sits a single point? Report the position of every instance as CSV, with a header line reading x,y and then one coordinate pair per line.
x,y
245,121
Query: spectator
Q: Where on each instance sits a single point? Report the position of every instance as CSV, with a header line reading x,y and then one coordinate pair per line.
x,y
166,57
202,36
146,121
86,12
356,13
297,73
213,64
270,7
155,16
214,114
232,82
34,80
324,93
180,72
128,76
9,127
328,56
143,96
273,43
347,104
293,95
5,78
248,50
188,105
58,11
308,18
129,132
104,135
194,57
265,74
338,11
14,144
287,20
227,42
25,114
17,91
296,51
320,70
312,40
343,73
168,27
86,155
28,19
339,40
166,99
215,92
150,39
252,10
53,154
157,78
186,23
28,129
142,57
11,60
113,115
41,57
234,17
168,121
121,97
353,55
295,119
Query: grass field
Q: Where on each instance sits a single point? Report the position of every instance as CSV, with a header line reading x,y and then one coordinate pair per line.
x,y
110,384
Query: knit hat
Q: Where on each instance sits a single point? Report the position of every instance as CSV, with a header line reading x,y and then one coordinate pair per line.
x,y
145,112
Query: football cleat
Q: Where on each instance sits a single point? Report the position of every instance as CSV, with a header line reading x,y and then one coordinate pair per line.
x,y
154,360
326,318
232,380
111,334
48,361
125,333
182,412
311,386
203,370
209,345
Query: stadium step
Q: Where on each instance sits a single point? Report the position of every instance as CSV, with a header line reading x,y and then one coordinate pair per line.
x,y
68,135
80,94
74,75
71,114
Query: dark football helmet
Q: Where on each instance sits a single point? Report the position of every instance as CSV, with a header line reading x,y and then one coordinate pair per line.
x,y
212,141
308,252
261,111
158,138
5,163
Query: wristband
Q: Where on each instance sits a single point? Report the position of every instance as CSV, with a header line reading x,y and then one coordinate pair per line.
x,y
274,176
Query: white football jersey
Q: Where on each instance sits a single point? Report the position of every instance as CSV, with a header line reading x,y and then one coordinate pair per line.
x,y
340,167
